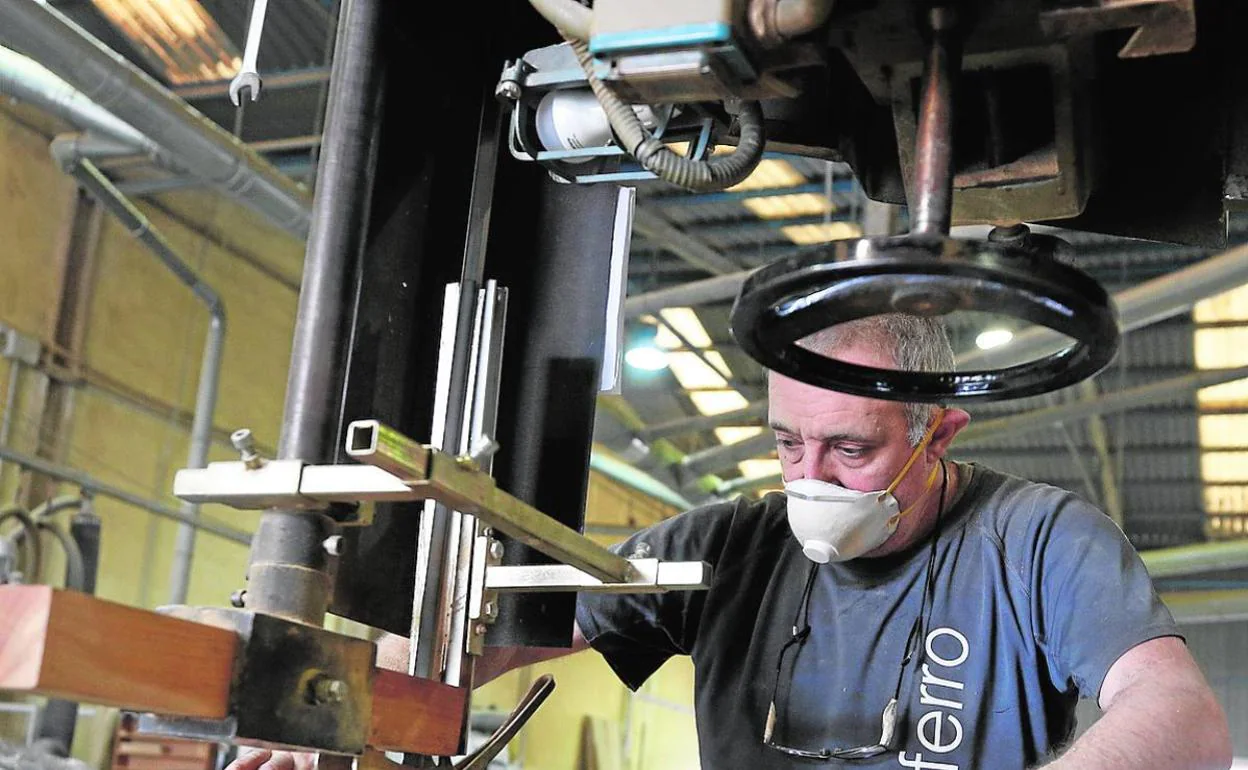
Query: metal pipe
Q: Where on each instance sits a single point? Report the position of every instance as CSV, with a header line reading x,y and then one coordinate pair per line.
x,y
287,572
1103,403
743,485
637,480
91,484
703,292
27,80
721,457
1191,559
692,250
210,368
201,146
700,423
1193,607
1141,305
10,404
933,150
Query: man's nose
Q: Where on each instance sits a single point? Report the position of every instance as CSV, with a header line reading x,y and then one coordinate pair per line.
x,y
813,463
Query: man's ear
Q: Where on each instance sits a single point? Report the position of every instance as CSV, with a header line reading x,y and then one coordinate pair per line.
x,y
952,424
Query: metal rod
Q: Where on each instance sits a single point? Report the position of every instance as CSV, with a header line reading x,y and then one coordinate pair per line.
x,y
10,404
287,574
91,484
1104,403
751,414
717,289
197,455
721,457
205,149
138,225
933,151
29,81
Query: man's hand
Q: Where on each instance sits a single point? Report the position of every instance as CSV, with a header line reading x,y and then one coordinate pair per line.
x,y
263,759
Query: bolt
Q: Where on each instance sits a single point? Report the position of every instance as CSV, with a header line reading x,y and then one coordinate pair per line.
x,y
496,550
487,532
239,598
489,610
480,629
245,443
333,545
326,690
508,89
1010,234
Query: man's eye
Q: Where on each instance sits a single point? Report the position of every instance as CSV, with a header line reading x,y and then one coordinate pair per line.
x,y
851,451
788,443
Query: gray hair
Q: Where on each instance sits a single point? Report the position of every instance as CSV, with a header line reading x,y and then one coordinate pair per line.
x,y
916,344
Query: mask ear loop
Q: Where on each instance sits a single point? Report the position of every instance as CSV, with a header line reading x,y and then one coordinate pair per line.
x,y
918,450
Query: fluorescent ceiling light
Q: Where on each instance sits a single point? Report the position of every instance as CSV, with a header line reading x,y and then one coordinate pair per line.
x,y
646,357
692,372
733,434
718,401
770,173
759,469
993,338
685,321
788,206
823,232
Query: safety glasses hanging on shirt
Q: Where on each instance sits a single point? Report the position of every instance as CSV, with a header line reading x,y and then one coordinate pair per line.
x,y
889,718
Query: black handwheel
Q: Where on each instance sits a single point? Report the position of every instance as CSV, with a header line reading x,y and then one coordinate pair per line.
x,y
927,276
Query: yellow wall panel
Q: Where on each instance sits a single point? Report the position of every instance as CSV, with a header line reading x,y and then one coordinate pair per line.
x,y
35,200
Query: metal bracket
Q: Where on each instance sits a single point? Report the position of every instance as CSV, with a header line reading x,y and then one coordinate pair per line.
x,y
653,576
295,686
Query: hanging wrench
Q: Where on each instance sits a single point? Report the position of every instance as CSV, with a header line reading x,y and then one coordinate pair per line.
x,y
247,77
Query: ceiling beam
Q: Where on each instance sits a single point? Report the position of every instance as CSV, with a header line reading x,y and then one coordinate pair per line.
x,y
682,244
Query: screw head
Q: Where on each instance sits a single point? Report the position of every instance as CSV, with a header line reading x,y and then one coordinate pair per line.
x,y
480,629
242,440
333,545
508,89
326,690
239,598
496,550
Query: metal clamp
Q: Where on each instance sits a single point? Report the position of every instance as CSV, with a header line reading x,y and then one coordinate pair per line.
x,y
295,687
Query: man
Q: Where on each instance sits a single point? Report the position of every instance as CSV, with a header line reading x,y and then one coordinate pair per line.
x,y
894,609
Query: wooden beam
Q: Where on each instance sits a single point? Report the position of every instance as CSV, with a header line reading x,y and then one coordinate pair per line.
x,y
77,647
416,715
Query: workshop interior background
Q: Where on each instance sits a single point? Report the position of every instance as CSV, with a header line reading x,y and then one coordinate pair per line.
x,y
102,349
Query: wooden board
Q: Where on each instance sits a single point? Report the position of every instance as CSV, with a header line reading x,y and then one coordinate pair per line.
x,y
416,715
73,646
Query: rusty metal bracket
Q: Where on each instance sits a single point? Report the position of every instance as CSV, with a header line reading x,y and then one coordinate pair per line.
x,y
295,686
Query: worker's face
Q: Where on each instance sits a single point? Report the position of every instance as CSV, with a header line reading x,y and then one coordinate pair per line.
x,y
854,442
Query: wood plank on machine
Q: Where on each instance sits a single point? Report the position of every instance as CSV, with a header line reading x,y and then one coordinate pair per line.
x,y
78,647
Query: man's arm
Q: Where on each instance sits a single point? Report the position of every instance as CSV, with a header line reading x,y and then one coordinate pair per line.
x,y
1159,714
392,653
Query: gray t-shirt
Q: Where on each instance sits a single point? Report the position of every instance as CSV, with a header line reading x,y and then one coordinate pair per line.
x,y
1036,594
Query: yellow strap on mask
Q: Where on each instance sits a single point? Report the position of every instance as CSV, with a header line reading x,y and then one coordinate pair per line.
x,y
931,479
918,450
914,456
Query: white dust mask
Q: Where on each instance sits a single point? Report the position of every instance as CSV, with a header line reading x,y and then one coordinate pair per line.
x,y
833,523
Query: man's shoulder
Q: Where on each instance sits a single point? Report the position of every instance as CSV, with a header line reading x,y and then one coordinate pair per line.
x,y
1012,508
711,529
